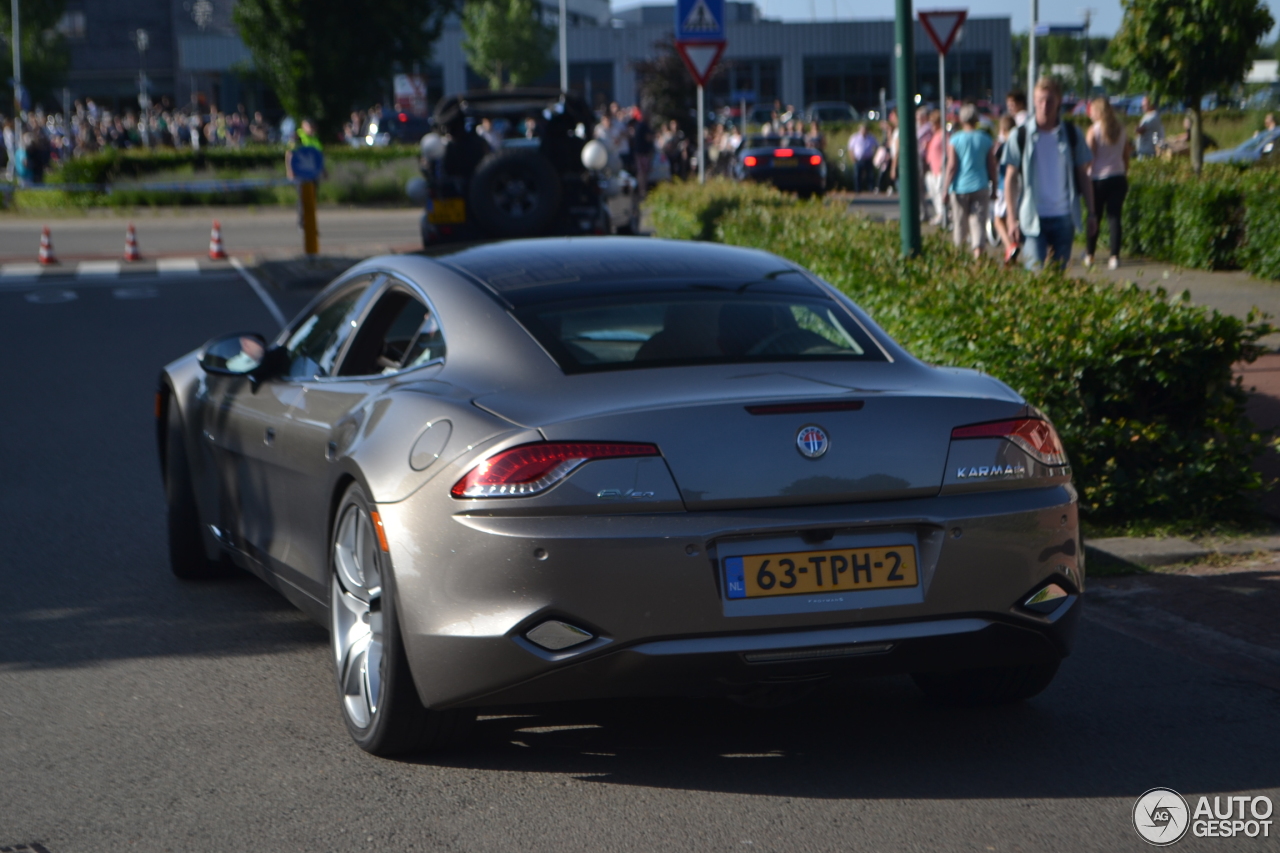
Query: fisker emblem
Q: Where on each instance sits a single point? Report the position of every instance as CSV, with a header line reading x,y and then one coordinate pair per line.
x,y
812,441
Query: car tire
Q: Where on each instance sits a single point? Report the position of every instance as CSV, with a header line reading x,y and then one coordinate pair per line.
x,y
514,192
998,685
187,556
376,691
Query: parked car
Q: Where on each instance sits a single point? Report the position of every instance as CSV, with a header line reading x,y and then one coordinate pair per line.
x,y
545,470
831,112
1262,146
782,162
555,179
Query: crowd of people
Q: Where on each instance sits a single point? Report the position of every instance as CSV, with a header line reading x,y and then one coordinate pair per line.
x,y
37,141
967,174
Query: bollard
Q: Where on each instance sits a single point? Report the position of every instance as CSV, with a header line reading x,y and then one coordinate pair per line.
x,y
310,231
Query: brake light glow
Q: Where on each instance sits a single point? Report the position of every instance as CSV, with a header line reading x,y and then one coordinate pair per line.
x,y
1037,437
749,161
783,152
532,468
815,160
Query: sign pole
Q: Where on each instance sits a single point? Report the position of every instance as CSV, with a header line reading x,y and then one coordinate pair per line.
x,y
908,158
1031,43
942,89
702,141
310,231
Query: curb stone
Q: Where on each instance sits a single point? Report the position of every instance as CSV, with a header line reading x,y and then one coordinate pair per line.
x,y
1151,551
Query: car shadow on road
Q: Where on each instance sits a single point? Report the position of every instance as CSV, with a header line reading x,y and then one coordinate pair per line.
x,y
1121,718
109,615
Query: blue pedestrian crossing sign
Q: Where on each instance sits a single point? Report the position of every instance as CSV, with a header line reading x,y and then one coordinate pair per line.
x,y
307,163
700,20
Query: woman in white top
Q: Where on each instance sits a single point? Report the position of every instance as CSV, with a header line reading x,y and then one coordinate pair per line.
x,y
1110,146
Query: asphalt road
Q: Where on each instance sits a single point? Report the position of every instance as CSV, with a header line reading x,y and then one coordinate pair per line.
x,y
184,232
141,713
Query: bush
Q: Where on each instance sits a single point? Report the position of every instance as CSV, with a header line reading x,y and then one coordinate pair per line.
x,y
1139,384
1261,252
1216,221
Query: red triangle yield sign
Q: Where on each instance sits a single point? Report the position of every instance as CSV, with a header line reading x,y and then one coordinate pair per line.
x,y
942,26
700,57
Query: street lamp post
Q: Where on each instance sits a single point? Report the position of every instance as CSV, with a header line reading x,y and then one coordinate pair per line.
x,y
17,60
1031,42
564,46
904,52
142,40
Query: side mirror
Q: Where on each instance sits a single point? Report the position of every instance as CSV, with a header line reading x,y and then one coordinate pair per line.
x,y
234,355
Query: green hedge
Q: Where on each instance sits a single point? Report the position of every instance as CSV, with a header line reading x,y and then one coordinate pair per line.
x,y
1224,219
137,164
1139,384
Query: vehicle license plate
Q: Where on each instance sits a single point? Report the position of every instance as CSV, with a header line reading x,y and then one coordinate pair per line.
x,y
784,162
448,211
809,572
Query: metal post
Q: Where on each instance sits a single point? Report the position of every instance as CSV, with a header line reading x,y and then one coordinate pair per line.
x,y
908,159
310,233
702,141
17,64
564,46
942,178
1031,43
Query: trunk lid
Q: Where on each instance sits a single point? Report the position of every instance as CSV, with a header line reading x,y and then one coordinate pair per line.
x,y
893,446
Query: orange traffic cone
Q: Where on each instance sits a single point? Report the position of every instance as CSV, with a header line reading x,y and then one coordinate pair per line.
x,y
46,247
131,252
216,252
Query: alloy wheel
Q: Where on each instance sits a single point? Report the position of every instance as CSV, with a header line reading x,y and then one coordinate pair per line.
x,y
357,615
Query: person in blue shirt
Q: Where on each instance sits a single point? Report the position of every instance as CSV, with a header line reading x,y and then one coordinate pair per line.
x,y
971,180
1046,175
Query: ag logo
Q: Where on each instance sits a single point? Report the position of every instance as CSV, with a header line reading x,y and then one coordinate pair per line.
x,y
1161,816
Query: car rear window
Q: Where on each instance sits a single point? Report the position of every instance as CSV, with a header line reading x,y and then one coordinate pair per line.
x,y
662,330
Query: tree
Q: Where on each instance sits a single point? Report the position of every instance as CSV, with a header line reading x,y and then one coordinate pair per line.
x,y
667,89
45,57
321,57
506,41
1185,49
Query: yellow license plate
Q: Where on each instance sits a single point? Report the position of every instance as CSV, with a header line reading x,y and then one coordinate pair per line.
x,y
784,162
809,572
448,211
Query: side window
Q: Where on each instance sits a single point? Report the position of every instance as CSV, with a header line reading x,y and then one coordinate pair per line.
x,y
400,332
314,345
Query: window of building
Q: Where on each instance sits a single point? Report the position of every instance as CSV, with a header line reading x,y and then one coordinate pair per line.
x,y
853,79
592,80
969,76
72,25
755,81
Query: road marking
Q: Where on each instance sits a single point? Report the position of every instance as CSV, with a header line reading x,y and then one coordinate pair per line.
x,y
25,270
177,266
89,268
261,291
135,293
50,296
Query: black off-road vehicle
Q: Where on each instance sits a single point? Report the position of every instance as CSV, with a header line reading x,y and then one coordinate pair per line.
x,y
523,175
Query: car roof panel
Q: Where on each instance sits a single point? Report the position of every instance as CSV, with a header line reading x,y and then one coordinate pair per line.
x,y
526,272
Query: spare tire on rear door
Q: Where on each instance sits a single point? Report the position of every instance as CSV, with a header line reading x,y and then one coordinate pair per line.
x,y
514,192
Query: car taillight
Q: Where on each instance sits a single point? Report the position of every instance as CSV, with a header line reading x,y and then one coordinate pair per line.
x,y
1035,436
815,160
533,468
783,152
749,161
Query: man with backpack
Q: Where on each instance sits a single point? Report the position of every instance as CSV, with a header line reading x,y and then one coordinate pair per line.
x,y
1045,164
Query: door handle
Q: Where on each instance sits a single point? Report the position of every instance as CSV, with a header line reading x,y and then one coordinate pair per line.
x,y
270,436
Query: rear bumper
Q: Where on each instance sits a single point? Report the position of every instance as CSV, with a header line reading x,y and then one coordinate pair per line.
x,y
793,180
725,665
649,588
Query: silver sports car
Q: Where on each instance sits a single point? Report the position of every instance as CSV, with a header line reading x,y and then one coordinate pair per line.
x,y
570,468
